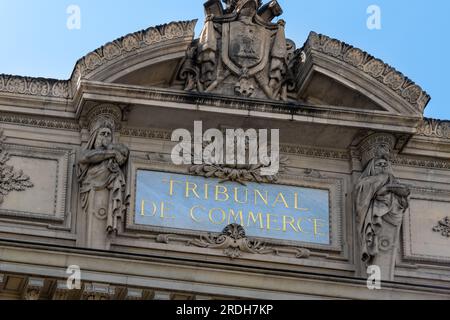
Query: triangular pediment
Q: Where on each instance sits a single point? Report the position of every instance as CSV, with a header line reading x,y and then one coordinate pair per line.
x,y
323,90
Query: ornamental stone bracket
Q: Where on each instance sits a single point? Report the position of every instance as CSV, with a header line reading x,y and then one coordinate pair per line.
x,y
10,179
443,227
96,291
234,242
380,202
33,289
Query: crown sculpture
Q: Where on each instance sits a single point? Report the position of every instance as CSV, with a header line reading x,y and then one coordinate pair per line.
x,y
241,52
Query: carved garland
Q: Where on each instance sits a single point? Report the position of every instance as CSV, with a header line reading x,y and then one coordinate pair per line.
x,y
10,179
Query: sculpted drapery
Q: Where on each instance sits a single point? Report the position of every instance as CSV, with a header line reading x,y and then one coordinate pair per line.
x,y
379,199
101,176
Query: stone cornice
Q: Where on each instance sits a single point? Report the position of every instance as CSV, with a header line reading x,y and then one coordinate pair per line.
x,y
35,86
371,66
115,50
434,128
321,114
126,46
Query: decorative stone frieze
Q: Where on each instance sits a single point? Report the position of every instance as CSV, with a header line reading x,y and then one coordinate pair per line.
x,y
35,86
434,128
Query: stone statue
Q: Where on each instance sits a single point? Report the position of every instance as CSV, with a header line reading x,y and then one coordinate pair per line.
x,y
101,176
380,204
241,52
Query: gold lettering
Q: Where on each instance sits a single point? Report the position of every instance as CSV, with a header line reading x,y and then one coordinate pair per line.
x,y
171,184
206,191
265,200
236,196
143,208
224,191
269,221
283,200
259,216
235,217
224,216
164,210
192,213
291,223
317,226
296,203
191,187
299,221
154,207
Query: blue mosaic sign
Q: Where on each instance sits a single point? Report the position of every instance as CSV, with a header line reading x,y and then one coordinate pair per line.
x,y
175,201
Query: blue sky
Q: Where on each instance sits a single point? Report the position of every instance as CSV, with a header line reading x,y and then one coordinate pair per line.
x,y
413,36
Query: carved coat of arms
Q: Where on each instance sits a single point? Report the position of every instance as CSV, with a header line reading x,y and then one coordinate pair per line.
x,y
241,52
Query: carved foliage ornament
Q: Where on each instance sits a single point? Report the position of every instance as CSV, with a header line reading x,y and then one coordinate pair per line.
x,y
10,179
238,173
443,227
234,241
241,52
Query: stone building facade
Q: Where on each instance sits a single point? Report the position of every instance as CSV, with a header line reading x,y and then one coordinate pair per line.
x,y
352,127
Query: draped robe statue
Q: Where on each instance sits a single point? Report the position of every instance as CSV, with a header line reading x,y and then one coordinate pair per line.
x,y
102,182
380,204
